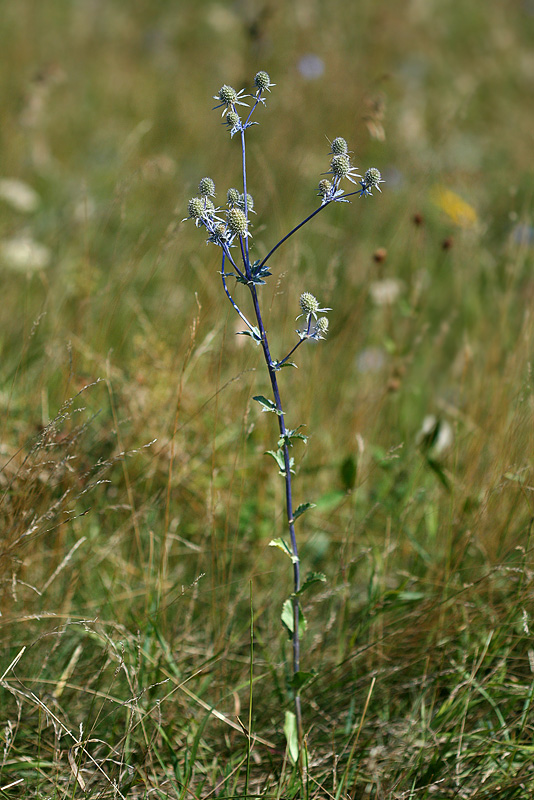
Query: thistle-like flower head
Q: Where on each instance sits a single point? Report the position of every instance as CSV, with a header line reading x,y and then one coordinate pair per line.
x,y
203,211
232,197
237,223
340,167
219,234
229,98
321,329
325,187
206,187
262,82
371,180
339,147
250,203
233,122
309,305
195,208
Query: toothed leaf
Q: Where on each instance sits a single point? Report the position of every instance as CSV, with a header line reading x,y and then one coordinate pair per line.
x,y
302,509
267,405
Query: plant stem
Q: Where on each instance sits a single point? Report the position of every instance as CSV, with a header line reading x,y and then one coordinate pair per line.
x,y
283,433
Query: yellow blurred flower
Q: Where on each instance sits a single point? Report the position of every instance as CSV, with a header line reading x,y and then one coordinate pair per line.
x,y
457,209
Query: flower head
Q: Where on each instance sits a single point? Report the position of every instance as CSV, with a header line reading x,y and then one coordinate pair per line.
x,y
325,187
262,82
250,203
309,306
232,197
339,147
308,303
321,329
203,211
233,121
229,98
219,234
206,187
370,181
329,192
237,223
340,167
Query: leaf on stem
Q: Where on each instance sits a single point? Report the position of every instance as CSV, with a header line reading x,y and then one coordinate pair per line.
x,y
277,366
301,509
312,578
253,333
257,274
278,456
291,734
288,620
267,405
294,434
300,679
284,547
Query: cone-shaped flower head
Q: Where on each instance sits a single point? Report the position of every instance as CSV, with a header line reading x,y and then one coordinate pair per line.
x,y
371,180
250,202
195,208
206,187
262,82
339,147
233,196
325,187
308,303
237,222
321,328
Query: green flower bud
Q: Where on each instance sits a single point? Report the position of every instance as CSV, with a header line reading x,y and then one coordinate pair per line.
x,y
340,166
321,327
308,303
195,208
373,177
227,94
237,222
232,118
262,80
250,202
325,187
339,147
232,197
206,187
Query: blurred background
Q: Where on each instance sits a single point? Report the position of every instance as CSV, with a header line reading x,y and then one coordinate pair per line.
x,y
136,500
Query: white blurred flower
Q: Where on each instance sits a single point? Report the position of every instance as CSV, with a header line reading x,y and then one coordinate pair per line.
x,y
19,195
24,254
385,292
435,436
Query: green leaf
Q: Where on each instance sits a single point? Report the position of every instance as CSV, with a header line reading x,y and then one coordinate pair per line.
x,y
300,679
313,577
287,618
277,366
284,547
254,334
301,509
294,434
278,456
348,471
267,405
292,739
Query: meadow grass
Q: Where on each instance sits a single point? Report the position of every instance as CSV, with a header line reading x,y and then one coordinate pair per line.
x,y
136,505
